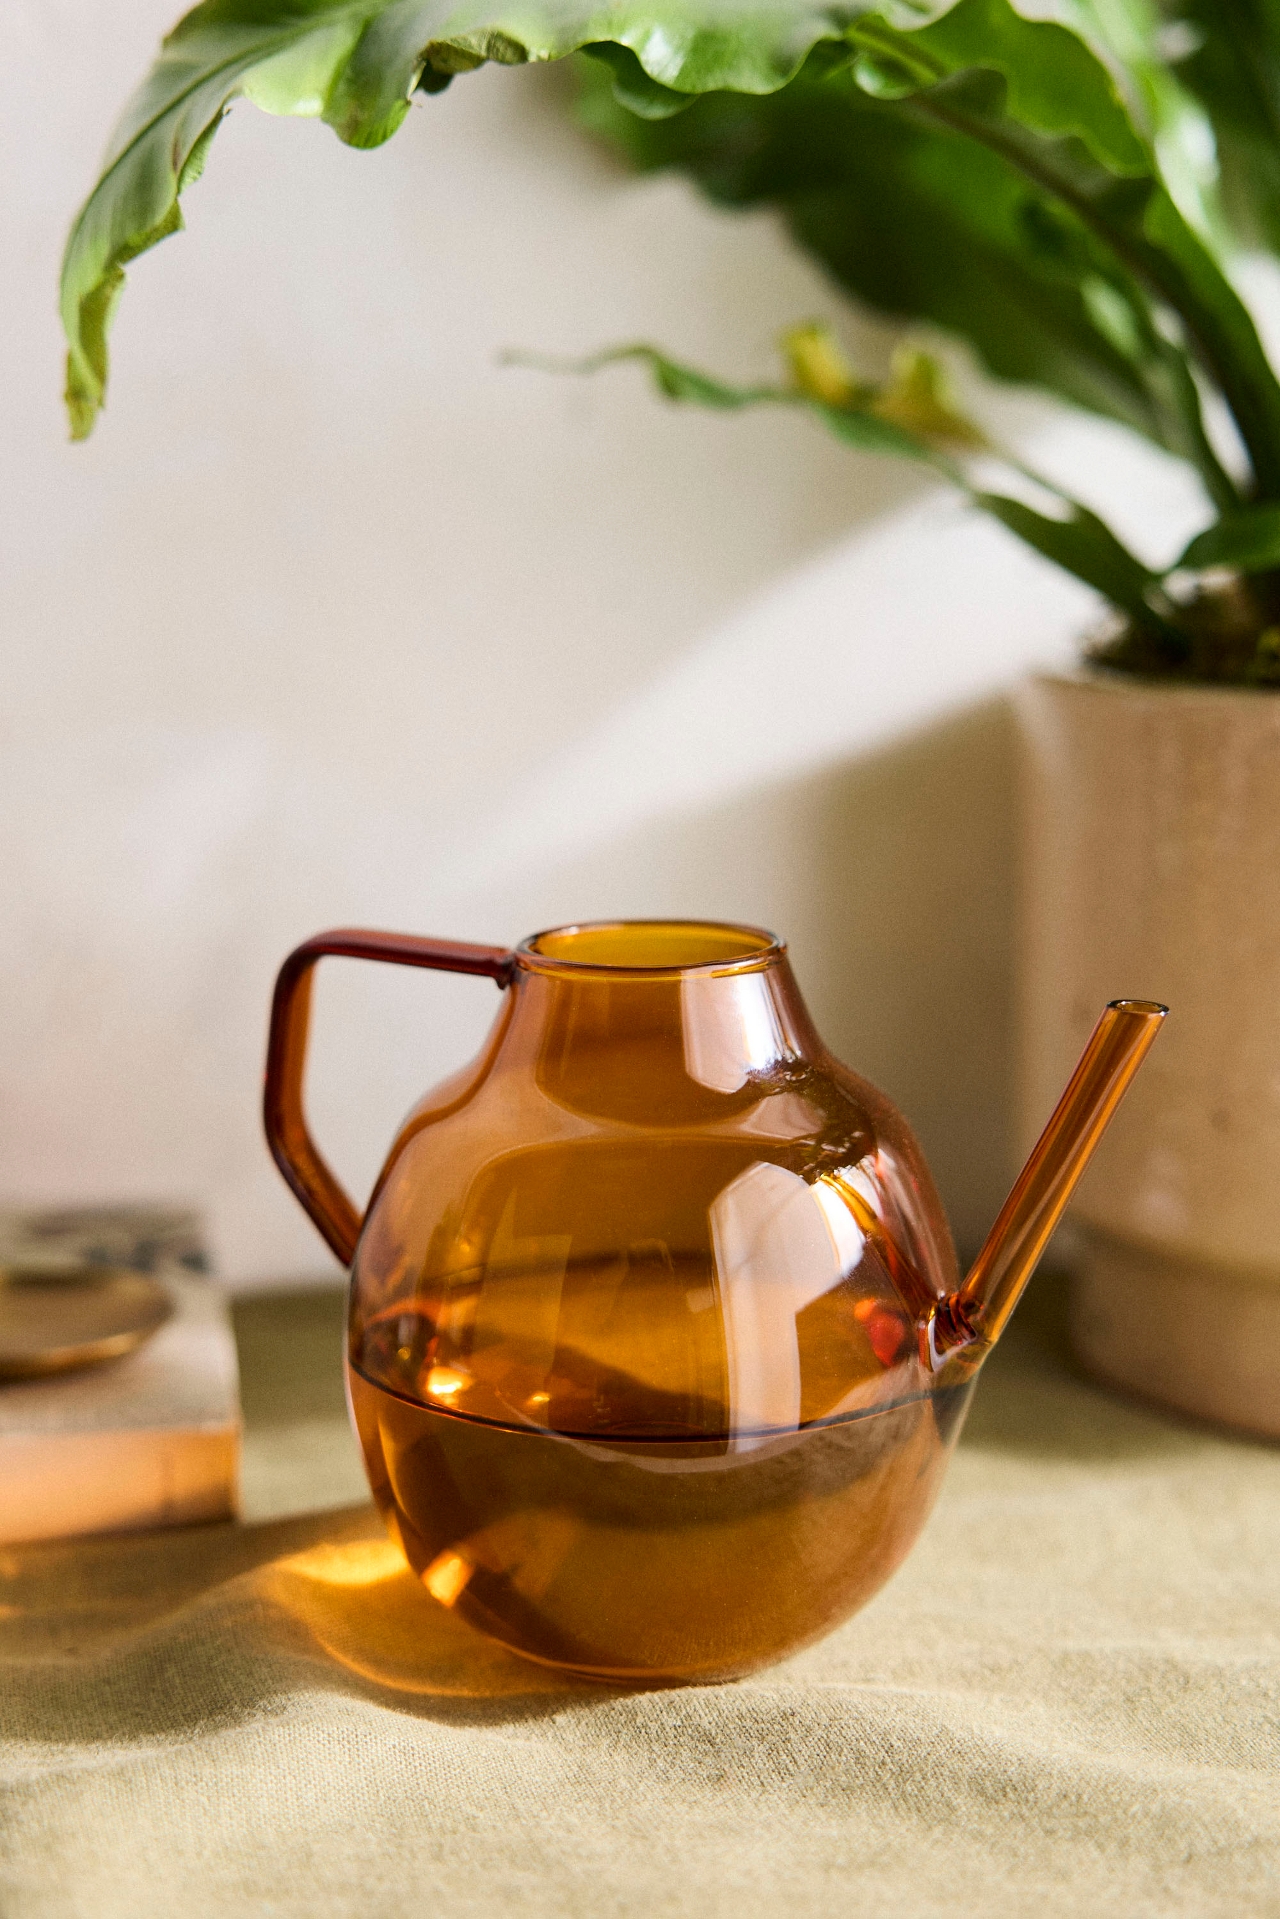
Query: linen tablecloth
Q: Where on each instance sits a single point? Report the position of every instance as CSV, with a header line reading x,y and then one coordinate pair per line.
x,y
1066,1702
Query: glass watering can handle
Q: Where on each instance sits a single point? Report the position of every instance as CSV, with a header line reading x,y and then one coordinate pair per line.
x,y
292,1147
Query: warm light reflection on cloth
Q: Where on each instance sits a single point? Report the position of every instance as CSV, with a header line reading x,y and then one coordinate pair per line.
x,y
360,1603
361,1562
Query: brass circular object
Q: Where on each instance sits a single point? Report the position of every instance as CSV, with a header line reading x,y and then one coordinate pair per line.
x,y
56,1318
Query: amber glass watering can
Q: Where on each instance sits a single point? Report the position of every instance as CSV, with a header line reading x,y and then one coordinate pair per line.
x,y
657,1348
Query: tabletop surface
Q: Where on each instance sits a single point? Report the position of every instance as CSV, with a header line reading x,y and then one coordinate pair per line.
x,y
1066,1702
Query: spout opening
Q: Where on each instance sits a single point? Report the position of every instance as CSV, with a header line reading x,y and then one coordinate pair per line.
x,y
668,947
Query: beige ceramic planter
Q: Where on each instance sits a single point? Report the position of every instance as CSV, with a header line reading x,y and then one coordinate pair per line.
x,y
1153,871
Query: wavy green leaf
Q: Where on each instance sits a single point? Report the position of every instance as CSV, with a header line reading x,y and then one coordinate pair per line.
x,y
1032,92
924,222
976,150
355,64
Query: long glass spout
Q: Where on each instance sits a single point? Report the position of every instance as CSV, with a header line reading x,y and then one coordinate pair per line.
x,y
974,1317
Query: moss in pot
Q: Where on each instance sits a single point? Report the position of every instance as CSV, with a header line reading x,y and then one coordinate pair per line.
x,y
1064,188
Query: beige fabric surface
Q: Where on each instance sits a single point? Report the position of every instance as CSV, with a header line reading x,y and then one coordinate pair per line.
x,y
1068,1701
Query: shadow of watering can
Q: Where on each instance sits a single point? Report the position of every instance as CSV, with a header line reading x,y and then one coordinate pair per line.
x,y
657,1346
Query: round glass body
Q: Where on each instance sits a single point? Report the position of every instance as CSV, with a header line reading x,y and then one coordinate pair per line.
x,y
633,1349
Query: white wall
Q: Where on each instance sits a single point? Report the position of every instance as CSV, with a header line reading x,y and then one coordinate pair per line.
x,y
335,619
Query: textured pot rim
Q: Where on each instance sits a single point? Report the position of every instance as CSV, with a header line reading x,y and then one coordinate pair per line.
x,y
1112,684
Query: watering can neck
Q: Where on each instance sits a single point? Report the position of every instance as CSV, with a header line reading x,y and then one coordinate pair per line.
x,y
691,1032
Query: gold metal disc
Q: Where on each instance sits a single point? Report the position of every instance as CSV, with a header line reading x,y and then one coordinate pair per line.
x,y
55,1318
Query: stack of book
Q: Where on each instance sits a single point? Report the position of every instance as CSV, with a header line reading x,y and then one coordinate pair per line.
x,y
152,1439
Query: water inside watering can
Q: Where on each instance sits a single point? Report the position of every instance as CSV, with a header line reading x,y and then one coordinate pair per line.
x,y
616,1504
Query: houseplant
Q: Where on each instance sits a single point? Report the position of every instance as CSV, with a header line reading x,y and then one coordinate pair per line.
x,y
1046,189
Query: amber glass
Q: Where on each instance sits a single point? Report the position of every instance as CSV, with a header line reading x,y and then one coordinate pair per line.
x,y
645,1349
